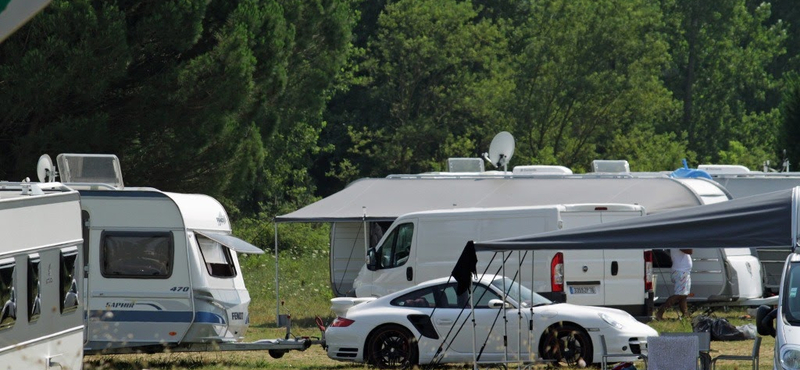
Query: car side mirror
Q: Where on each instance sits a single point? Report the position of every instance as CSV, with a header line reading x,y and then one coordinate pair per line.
x,y
372,264
765,320
498,303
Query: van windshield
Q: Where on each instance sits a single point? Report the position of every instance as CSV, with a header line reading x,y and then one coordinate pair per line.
x,y
520,293
791,299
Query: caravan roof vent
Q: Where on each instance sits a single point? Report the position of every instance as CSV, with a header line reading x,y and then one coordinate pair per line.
x,y
610,166
465,165
723,169
541,170
90,168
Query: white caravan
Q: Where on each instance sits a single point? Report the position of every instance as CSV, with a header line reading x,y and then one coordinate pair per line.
x,y
162,272
741,182
41,324
422,246
374,203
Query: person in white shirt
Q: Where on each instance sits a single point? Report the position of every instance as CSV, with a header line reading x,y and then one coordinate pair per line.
x,y
682,281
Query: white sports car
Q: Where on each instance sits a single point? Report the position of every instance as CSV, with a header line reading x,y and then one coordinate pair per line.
x,y
430,323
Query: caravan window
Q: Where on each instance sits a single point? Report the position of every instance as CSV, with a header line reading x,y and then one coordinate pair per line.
x,y
34,295
68,280
396,247
7,298
138,255
217,257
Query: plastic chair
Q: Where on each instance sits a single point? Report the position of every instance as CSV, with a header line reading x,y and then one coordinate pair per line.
x,y
703,345
679,352
753,357
606,355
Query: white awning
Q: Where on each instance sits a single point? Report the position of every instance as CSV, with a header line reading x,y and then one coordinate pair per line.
x,y
232,242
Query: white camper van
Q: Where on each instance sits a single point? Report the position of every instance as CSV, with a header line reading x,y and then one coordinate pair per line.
x,y
421,246
41,319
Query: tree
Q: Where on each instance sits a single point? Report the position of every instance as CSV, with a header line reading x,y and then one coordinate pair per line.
x,y
721,52
585,70
222,97
789,134
433,82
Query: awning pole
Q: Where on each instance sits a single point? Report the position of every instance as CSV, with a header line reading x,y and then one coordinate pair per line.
x,y
472,313
794,217
277,288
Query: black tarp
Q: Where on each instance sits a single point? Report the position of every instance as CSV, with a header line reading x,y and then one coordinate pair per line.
x,y
763,220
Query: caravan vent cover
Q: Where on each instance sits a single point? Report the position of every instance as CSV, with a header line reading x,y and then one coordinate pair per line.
x,y
610,166
723,169
542,170
465,165
90,168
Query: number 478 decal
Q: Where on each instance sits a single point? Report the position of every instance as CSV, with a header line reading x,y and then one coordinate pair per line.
x,y
179,289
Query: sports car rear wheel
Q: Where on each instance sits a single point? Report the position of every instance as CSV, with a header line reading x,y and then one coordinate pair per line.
x,y
392,347
566,344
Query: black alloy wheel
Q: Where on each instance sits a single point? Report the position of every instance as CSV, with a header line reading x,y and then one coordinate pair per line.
x,y
392,347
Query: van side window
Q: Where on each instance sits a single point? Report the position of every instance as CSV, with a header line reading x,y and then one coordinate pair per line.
x,y
68,281
142,255
396,247
8,300
34,295
217,257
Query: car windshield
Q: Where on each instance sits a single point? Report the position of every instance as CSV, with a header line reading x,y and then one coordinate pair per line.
x,y
520,293
791,299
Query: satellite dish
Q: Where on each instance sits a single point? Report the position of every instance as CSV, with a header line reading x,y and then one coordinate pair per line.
x,y
501,149
45,170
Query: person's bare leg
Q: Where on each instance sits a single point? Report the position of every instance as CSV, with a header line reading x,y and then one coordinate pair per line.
x,y
684,305
673,299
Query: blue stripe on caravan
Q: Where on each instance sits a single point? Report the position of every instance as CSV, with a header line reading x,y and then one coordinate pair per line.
x,y
156,316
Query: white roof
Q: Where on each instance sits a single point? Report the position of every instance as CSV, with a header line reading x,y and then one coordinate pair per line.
x,y
388,198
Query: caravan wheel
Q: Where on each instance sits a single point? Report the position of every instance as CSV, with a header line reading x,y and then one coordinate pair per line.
x,y
566,344
392,347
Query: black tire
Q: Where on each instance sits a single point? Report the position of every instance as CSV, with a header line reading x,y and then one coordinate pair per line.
x,y
275,353
392,347
566,344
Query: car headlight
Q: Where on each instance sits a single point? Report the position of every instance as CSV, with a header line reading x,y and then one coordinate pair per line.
x,y
610,321
790,357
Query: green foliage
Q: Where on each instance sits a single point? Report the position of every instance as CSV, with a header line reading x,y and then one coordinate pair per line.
x,y
647,151
721,52
584,70
789,132
220,97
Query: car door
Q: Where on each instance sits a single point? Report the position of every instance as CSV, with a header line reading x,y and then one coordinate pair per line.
x,y
452,321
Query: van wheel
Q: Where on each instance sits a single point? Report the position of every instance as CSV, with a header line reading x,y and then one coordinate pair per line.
x,y
566,345
392,347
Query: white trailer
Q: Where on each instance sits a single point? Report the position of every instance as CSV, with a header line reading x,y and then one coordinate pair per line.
x,y
41,324
162,272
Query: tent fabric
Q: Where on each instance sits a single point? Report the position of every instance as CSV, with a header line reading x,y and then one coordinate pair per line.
x,y
757,221
385,199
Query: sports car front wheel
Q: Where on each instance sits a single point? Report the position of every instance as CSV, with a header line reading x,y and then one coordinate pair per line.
x,y
392,347
566,344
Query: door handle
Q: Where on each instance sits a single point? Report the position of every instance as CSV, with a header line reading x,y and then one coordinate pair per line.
x,y
444,322
614,268
409,273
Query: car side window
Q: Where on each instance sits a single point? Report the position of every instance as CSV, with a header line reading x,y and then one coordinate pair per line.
x,y
419,298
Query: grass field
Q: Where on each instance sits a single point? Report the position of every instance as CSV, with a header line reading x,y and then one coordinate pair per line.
x,y
306,293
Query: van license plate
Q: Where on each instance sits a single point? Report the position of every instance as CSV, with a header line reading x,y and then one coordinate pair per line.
x,y
582,290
